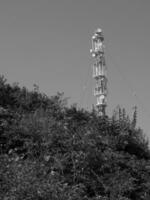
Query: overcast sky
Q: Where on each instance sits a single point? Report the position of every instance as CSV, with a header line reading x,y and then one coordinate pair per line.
x,y
48,42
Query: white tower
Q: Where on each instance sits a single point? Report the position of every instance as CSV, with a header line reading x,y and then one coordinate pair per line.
x,y
99,71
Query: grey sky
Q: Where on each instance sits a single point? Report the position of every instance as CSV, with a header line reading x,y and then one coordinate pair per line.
x,y
48,42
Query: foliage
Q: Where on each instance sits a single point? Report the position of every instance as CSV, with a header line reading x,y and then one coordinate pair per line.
x,y
50,151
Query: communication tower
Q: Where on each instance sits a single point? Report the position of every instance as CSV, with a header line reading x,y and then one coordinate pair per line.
x,y
99,71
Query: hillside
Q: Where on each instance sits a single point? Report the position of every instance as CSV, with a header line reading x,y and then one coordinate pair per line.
x,y
50,151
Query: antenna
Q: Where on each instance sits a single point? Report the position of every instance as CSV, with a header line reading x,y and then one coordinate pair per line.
x,y
99,71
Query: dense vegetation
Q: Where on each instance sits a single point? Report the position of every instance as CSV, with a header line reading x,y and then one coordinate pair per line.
x,y
50,151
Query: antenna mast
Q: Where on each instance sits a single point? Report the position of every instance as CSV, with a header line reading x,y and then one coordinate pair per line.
x,y
99,71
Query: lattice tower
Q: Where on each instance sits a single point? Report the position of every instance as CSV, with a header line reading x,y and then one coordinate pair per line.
x,y
99,71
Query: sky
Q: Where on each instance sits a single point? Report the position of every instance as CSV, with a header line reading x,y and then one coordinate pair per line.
x,y
47,42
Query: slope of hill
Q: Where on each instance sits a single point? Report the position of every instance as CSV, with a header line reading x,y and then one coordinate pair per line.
x,y
49,151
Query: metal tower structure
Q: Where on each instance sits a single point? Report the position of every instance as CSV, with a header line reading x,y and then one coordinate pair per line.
x,y
99,71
